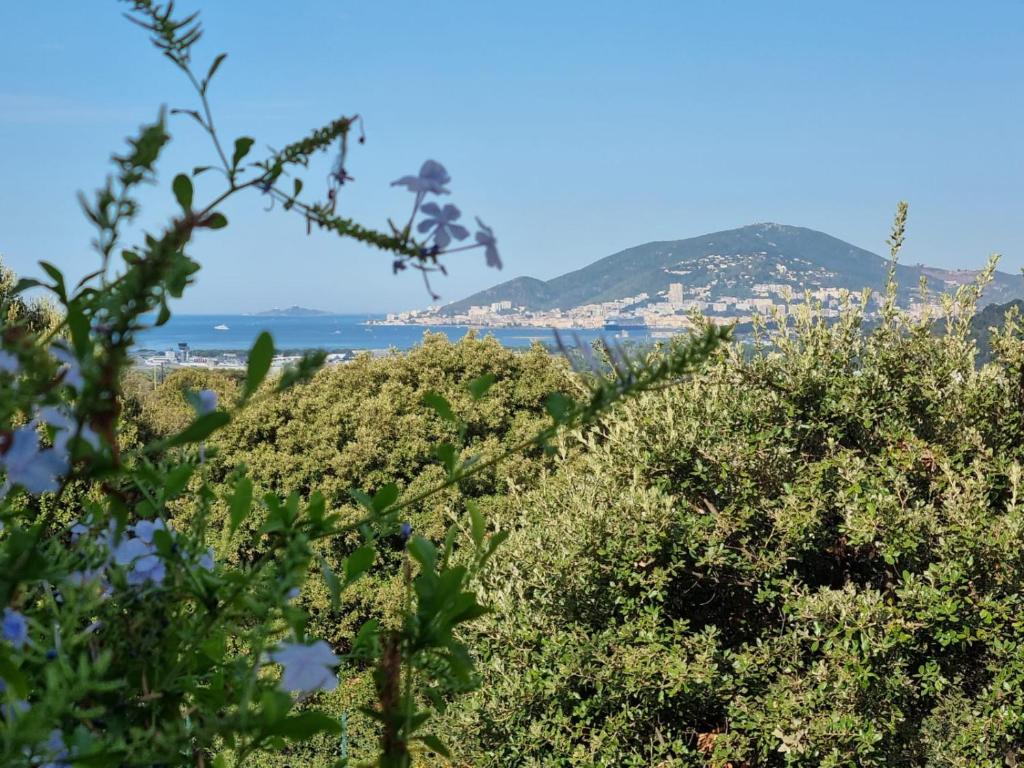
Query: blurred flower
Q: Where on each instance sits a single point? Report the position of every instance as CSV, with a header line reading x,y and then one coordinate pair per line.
x,y
72,370
432,178
33,469
145,529
307,668
141,556
207,401
78,530
206,560
149,568
485,237
441,221
54,752
15,628
66,426
406,531
8,363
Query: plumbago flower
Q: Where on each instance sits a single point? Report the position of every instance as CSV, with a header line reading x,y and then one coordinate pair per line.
x,y
33,468
15,628
441,222
71,370
431,178
66,427
485,237
9,363
307,668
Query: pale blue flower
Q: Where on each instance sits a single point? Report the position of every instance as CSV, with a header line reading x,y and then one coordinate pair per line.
x,y
66,426
141,556
78,530
33,469
145,529
485,237
307,668
15,628
207,400
432,178
149,568
441,221
206,560
9,363
54,752
72,370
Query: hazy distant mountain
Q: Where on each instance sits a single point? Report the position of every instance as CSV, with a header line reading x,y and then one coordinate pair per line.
x,y
730,263
293,311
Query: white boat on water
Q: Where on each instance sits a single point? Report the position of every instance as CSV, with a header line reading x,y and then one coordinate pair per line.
x,y
221,327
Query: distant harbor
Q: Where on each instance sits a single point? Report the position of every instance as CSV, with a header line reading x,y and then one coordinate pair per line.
x,y
222,340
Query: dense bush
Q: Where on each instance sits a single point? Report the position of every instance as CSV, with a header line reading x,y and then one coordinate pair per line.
x,y
810,555
364,423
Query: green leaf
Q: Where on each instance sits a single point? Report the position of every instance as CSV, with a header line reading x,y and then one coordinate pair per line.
x,y
198,430
213,69
260,357
241,502
58,280
477,523
385,497
164,315
305,726
559,406
79,327
357,563
332,581
183,191
214,221
423,552
176,481
435,744
441,406
479,386
13,676
361,498
449,458
242,147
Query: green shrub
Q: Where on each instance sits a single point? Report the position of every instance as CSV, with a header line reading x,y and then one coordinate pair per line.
x,y
810,555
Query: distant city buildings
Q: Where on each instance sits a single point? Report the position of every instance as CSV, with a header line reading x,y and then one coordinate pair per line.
x,y
730,295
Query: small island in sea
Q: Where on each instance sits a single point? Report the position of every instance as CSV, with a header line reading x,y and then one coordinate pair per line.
x,y
293,311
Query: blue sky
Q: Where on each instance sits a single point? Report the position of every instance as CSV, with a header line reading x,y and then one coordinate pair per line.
x,y
575,128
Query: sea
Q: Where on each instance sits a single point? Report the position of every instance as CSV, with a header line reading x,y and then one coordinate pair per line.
x,y
331,332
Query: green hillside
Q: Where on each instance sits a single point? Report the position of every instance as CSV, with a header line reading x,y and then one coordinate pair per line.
x,y
730,263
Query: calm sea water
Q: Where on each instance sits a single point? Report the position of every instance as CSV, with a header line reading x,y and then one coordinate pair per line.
x,y
322,332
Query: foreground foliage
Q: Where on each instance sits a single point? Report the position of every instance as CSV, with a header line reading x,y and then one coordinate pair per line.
x,y
811,555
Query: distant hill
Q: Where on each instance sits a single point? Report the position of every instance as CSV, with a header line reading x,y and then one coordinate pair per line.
x,y
730,263
293,311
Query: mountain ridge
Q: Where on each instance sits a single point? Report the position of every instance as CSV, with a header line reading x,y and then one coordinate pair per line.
x,y
728,263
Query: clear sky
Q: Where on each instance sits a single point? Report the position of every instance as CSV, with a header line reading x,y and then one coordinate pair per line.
x,y
575,128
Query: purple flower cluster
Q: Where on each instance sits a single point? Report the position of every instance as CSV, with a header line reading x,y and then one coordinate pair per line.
x,y
135,550
439,223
